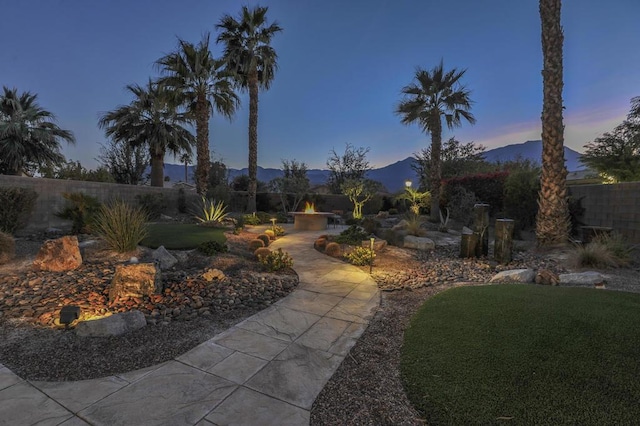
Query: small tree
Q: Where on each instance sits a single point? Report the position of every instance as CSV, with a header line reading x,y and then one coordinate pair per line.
x,y
293,182
125,163
359,192
616,155
352,164
416,198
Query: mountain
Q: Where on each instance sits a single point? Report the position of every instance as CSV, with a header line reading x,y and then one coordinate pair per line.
x,y
394,175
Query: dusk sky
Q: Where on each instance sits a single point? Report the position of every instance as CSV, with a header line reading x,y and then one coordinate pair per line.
x,y
342,65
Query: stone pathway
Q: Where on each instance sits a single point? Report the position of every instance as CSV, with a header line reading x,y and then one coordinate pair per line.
x,y
267,370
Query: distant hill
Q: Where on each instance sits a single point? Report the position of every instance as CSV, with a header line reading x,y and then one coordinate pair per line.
x,y
394,175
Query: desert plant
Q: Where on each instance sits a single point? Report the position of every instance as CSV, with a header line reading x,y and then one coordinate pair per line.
x,y
444,221
16,205
81,210
353,235
153,204
414,226
617,246
7,247
211,211
251,219
360,256
333,249
269,233
255,244
370,225
321,243
265,239
594,254
121,225
212,247
460,202
261,252
276,260
279,230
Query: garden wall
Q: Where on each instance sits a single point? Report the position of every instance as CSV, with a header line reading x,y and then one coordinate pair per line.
x,y
616,206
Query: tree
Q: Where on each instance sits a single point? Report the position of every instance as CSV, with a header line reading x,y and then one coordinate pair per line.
x,y
417,198
457,160
218,174
125,163
29,137
616,155
253,62
359,192
202,86
352,164
435,95
73,170
152,120
294,182
186,160
552,223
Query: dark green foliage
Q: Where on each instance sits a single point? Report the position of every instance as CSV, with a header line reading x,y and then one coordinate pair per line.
x,y
121,225
16,206
460,202
251,219
264,216
575,213
152,204
370,225
240,221
360,256
353,235
212,247
537,354
182,201
521,190
393,211
276,260
488,187
352,221
263,202
265,239
81,210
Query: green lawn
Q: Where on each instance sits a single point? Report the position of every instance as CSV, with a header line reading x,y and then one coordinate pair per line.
x,y
525,354
181,236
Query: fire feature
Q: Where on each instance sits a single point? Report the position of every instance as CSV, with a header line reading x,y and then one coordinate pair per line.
x,y
310,219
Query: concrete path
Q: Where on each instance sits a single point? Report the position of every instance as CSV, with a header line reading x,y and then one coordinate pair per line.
x,y
267,370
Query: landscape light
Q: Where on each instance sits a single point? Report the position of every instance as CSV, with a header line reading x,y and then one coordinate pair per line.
x,y
371,260
69,314
273,226
408,183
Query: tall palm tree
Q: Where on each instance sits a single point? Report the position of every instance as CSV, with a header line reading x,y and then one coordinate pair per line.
x,y
552,222
29,138
151,119
434,95
202,85
250,57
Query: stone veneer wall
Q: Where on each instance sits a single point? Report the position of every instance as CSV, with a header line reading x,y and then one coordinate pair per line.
x,y
616,206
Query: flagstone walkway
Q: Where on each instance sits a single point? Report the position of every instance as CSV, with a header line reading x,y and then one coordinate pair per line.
x,y
266,370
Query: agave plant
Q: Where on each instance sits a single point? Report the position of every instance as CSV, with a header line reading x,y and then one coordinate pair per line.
x,y
211,211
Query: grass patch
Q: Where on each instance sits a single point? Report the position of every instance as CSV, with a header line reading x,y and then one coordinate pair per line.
x,y
181,236
523,354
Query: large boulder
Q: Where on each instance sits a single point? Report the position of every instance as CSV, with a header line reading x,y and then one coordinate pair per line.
x,y
135,280
113,325
403,224
514,276
378,245
164,258
418,243
59,255
582,278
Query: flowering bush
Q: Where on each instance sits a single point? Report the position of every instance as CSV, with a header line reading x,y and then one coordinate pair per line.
x,y
360,256
276,260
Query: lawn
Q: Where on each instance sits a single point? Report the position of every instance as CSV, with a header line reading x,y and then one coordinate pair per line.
x,y
525,354
181,236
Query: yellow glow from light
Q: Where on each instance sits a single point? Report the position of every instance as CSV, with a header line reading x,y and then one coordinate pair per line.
x,y
309,207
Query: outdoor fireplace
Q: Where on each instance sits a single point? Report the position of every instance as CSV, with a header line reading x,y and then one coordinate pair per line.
x,y
310,220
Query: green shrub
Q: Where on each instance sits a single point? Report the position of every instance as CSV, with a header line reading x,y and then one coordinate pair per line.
x,y
7,247
211,211
282,218
352,221
81,210
16,206
255,244
370,225
211,248
152,204
269,233
122,226
264,217
393,211
488,188
262,251
617,246
353,235
276,260
333,249
360,256
460,202
414,226
321,243
251,219
265,239
521,196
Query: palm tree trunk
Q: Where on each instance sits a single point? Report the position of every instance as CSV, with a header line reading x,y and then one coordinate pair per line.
x,y
202,145
157,172
436,174
253,142
552,223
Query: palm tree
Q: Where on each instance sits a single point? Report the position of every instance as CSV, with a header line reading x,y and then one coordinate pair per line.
x,y
186,160
29,138
249,56
151,119
552,222
201,85
434,95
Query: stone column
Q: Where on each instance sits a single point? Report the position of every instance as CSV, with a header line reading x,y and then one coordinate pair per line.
x,y
503,240
468,243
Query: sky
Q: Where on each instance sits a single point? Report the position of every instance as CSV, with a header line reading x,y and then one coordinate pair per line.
x,y
342,66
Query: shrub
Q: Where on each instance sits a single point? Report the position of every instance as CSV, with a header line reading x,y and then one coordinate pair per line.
x,y
279,231
617,245
276,260
604,251
576,211
153,204
264,217
262,251
81,210
390,236
393,211
321,243
211,211
414,226
352,221
370,225
265,239
269,233
353,235
521,196
122,226
251,219
16,206
333,249
211,248
255,244
360,256
488,187
7,247
460,202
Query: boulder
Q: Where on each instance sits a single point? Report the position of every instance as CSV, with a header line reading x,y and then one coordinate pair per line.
x,y
403,224
378,245
135,280
61,254
113,325
213,274
164,258
583,278
546,277
514,276
418,243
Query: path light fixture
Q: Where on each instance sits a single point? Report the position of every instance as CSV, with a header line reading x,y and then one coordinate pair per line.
x,y
372,240
69,314
408,183
273,226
